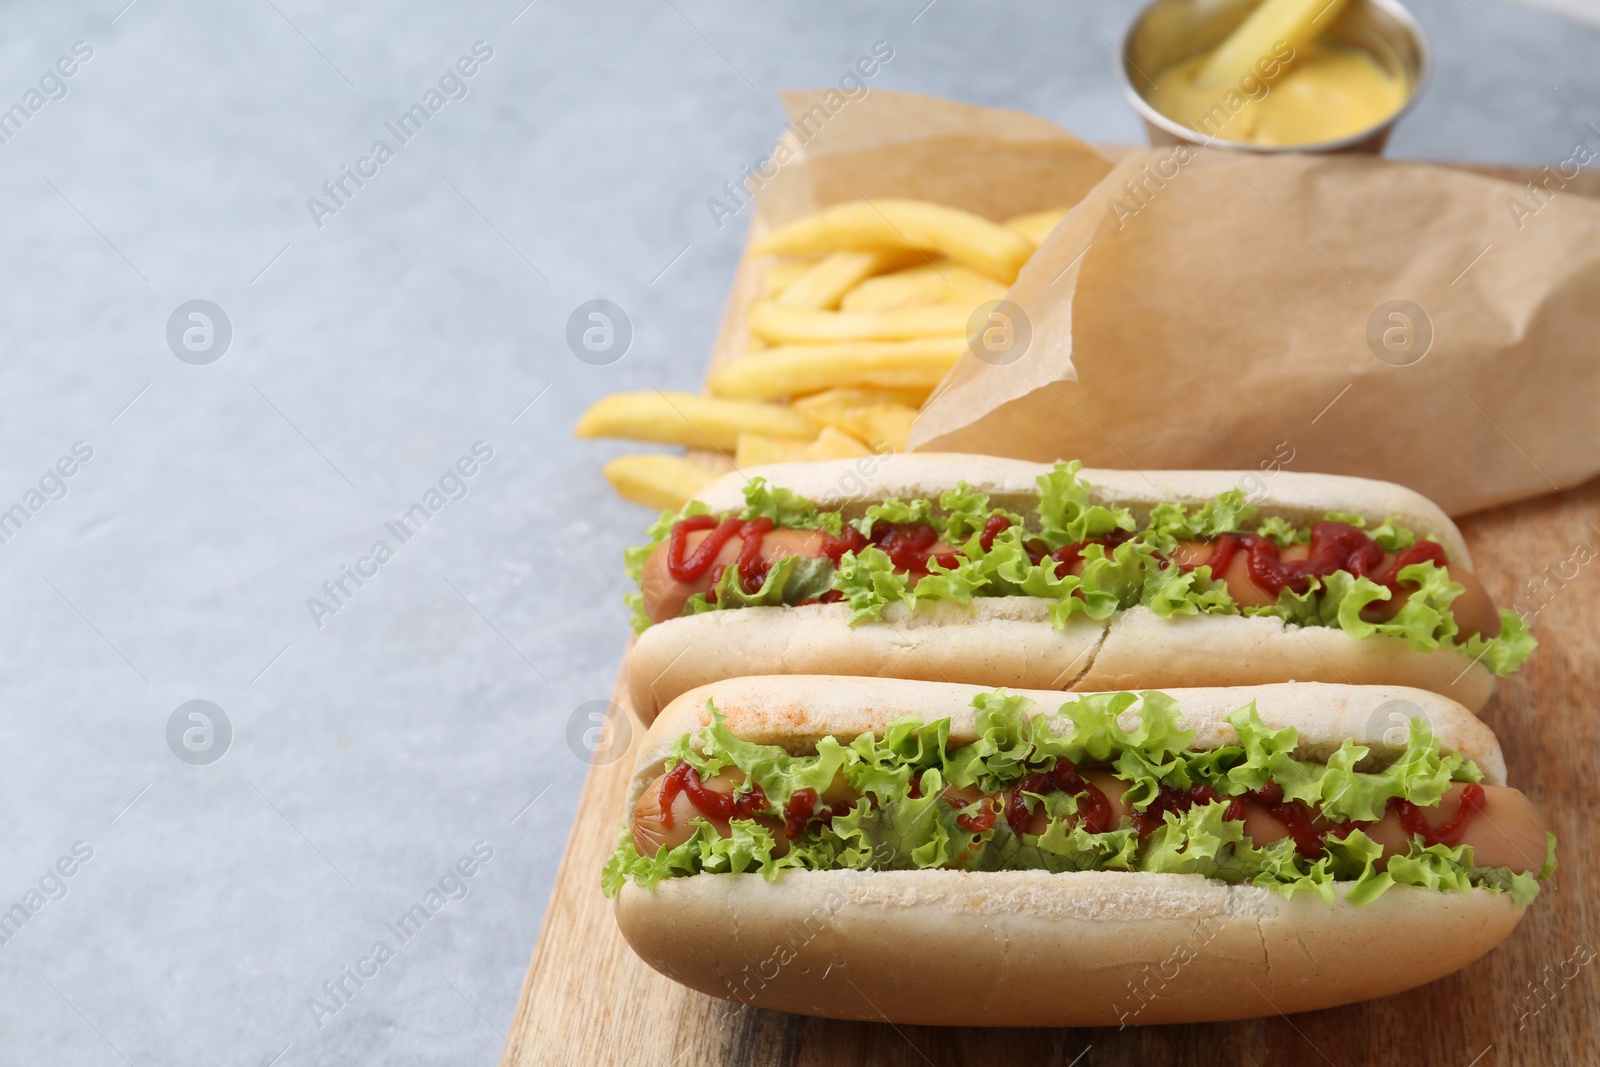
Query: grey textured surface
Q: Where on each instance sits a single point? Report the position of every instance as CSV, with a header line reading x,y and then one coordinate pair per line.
x,y
369,755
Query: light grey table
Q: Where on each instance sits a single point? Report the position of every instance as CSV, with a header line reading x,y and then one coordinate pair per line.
x,y
174,910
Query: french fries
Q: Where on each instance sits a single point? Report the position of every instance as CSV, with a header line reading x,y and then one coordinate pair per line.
x,y
666,483
782,273
1037,225
798,370
837,273
772,321
836,444
689,420
942,282
889,224
875,416
754,449
855,327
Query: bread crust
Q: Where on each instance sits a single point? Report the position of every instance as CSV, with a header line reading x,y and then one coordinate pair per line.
x,y
1032,948
1144,650
995,641
1009,640
988,641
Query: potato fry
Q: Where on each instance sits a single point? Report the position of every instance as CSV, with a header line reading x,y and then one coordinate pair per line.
x,y
799,370
880,224
782,273
691,421
942,282
1037,225
790,325
1273,24
869,415
835,444
663,482
754,449
911,398
838,272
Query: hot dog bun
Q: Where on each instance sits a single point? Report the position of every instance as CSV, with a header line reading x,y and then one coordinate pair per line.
x,y
1029,948
995,641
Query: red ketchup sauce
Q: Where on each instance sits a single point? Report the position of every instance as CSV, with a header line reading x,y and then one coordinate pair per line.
x,y
1067,555
804,808
708,802
1094,809
1170,798
751,567
909,545
982,819
992,529
802,805
1294,816
1307,832
1334,546
1473,799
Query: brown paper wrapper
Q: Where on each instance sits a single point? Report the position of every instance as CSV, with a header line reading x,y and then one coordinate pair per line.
x,y
1240,310
988,161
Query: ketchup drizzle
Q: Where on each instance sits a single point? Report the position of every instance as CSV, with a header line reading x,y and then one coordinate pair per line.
x,y
1095,810
708,802
1067,555
909,545
1421,552
980,820
850,539
1169,798
1473,799
802,805
992,529
751,566
1334,546
1294,816
687,570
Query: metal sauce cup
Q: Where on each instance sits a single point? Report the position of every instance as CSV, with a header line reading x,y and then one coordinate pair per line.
x,y
1169,32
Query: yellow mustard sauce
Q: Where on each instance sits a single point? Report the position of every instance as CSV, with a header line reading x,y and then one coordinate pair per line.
x,y
1274,83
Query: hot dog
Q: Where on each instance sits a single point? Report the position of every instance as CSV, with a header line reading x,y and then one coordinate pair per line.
x,y
934,853
995,571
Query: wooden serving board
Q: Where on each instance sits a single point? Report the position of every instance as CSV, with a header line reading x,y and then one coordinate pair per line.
x,y
1535,1000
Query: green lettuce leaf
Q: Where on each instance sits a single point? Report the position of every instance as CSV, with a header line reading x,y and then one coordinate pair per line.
x,y
779,773
1425,622
900,821
786,508
789,580
1282,532
1067,516
869,581
966,511
893,510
